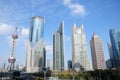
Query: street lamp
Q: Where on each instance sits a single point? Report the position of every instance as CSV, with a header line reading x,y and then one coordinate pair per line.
x,y
44,70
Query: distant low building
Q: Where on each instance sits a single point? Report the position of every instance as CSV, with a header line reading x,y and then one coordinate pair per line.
x,y
4,66
1,69
69,64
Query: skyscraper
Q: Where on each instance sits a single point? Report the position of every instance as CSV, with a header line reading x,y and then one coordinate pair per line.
x,y
115,42
79,51
110,50
58,49
97,53
110,54
35,48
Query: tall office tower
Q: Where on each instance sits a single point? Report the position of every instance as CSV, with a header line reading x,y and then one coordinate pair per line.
x,y
36,49
79,50
69,64
110,54
97,53
58,49
115,42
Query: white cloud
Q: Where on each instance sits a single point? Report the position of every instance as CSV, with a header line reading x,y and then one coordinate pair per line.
x,y
67,2
49,49
76,8
5,28
22,40
24,32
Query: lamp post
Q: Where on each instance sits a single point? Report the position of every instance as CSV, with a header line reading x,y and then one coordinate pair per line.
x,y
44,70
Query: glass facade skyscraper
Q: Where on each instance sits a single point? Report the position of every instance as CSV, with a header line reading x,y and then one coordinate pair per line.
x,y
79,49
36,53
115,42
58,49
110,54
36,30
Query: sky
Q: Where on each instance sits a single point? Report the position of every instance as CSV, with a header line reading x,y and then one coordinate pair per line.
x,y
97,16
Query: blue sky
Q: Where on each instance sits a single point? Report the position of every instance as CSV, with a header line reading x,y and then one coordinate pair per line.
x,y
96,15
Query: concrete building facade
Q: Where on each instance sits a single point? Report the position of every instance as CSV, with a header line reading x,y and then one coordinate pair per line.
x,y
58,49
97,53
79,49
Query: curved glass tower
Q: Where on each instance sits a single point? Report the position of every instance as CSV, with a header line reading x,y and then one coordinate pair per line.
x,y
36,55
36,30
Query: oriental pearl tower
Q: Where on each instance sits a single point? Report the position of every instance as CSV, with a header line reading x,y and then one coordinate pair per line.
x,y
12,59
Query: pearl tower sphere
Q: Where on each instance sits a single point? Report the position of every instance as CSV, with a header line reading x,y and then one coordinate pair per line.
x,y
15,36
11,60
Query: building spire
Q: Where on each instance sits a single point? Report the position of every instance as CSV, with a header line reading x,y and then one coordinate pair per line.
x,y
82,26
94,34
74,25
